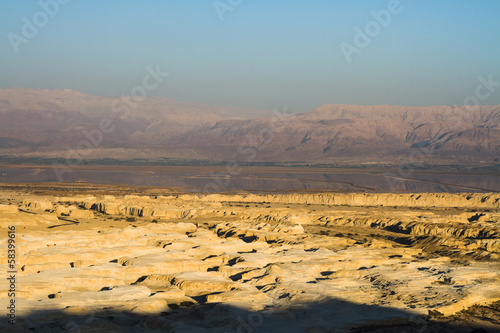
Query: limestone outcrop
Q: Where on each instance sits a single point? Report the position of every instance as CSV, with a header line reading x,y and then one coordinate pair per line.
x,y
252,262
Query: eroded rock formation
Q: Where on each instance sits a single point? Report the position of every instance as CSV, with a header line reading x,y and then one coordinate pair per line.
x,y
261,263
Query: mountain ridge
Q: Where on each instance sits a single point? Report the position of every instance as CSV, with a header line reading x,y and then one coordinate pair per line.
x,y
44,122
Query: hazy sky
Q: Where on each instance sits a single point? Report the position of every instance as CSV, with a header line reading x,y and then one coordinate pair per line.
x,y
257,53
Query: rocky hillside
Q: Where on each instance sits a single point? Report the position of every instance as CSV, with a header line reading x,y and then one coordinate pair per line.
x,y
51,122
176,262
349,133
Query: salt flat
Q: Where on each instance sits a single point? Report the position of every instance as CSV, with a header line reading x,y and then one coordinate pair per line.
x,y
316,262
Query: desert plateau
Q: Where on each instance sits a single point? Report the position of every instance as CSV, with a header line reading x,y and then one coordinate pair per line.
x,y
232,166
99,258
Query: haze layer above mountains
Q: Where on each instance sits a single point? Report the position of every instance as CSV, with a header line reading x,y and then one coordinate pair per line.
x,y
52,123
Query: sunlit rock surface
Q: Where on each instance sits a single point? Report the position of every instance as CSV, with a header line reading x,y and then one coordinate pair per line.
x,y
253,263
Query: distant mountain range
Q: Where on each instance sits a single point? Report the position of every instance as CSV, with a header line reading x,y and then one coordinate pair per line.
x,y
60,123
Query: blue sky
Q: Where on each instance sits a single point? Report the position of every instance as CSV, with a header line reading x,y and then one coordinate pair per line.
x,y
263,54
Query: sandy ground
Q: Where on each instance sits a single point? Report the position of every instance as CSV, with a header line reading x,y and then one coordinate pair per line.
x,y
117,259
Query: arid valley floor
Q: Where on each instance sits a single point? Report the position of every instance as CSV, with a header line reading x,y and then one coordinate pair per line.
x,y
116,259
